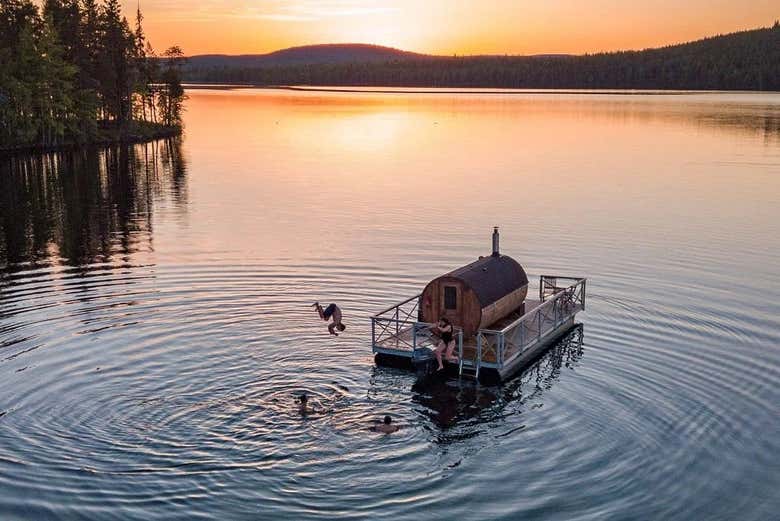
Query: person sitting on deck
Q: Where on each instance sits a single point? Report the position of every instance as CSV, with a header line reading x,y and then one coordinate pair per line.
x,y
331,312
444,330
385,426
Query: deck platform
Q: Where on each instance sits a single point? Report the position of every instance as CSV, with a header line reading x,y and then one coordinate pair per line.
x,y
492,354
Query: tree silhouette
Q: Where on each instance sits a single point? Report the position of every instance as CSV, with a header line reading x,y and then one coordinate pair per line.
x,y
74,72
748,60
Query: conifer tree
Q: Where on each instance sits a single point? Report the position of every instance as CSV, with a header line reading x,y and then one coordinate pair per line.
x,y
73,71
171,99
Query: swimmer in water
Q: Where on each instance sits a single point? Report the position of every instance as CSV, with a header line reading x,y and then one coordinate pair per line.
x,y
332,312
303,407
386,426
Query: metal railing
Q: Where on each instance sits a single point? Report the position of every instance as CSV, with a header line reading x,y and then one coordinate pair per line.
x,y
390,323
396,329
398,324
490,341
559,304
548,286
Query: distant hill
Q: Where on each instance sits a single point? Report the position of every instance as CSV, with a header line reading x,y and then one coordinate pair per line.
x,y
306,55
747,60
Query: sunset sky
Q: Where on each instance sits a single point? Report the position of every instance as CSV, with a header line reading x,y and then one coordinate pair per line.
x,y
445,26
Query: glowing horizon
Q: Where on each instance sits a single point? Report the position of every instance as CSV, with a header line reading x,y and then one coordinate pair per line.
x,y
443,27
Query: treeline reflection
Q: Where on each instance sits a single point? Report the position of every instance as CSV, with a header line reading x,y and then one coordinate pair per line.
x,y
86,206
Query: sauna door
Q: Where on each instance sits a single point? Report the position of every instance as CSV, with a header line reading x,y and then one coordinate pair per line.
x,y
451,301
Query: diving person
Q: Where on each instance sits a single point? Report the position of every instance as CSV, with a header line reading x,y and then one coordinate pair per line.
x,y
332,312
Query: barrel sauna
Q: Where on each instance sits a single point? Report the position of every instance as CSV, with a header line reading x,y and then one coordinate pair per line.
x,y
477,295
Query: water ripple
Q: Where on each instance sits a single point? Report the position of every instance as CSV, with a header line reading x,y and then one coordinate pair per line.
x,y
150,363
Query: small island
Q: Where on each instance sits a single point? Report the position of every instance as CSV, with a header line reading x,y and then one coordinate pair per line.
x,y
75,73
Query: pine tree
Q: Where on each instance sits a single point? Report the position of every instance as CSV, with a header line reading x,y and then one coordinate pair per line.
x,y
152,71
55,89
20,63
116,73
139,54
171,99
90,64
74,64
63,21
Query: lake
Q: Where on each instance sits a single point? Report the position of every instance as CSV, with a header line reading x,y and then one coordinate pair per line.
x,y
155,325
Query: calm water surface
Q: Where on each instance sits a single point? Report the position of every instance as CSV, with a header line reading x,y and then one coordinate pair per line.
x,y
155,328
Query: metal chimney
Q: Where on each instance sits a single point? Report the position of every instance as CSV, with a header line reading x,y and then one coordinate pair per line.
x,y
495,242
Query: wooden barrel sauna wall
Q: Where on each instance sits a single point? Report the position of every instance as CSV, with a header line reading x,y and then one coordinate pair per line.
x,y
477,295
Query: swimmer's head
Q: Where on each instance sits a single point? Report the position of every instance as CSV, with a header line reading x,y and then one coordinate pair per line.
x,y
341,327
388,419
303,398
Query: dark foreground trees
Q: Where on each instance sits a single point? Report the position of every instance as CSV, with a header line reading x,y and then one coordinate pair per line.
x,y
74,72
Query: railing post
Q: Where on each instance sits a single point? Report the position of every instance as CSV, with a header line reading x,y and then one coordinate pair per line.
x,y
522,336
373,333
396,322
460,353
479,357
414,337
539,324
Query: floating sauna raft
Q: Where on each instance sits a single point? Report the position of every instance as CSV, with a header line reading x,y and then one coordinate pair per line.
x,y
498,331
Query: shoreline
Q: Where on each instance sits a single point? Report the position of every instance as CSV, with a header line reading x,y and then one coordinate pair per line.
x,y
357,89
143,133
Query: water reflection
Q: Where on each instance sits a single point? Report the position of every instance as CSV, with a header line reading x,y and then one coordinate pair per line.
x,y
447,403
86,206
347,116
175,363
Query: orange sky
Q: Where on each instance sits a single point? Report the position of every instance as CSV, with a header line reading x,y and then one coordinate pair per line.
x,y
445,26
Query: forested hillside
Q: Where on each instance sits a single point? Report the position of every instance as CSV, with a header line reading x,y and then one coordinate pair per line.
x,y
306,55
748,60
75,72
